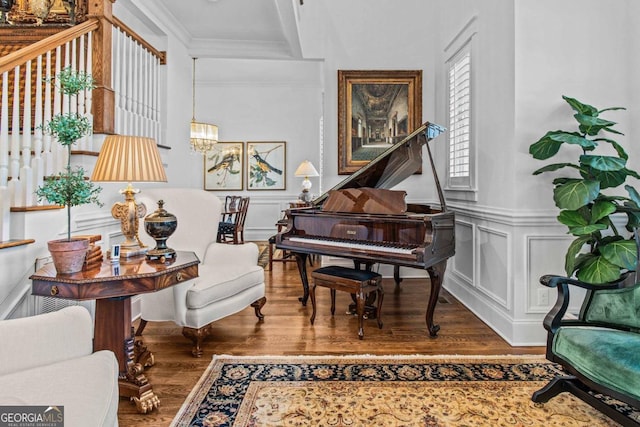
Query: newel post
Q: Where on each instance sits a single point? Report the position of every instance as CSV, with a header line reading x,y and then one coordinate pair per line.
x,y
103,97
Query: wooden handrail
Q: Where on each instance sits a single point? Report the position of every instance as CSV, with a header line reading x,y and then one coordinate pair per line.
x,y
41,47
162,56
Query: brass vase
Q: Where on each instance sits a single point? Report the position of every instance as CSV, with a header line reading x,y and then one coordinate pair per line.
x,y
40,9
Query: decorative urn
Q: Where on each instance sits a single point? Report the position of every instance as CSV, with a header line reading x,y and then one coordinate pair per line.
x,y
160,225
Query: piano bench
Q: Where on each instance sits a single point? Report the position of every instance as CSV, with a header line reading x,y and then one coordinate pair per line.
x,y
357,282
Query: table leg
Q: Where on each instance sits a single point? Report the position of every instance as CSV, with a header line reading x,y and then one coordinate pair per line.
x,y
113,332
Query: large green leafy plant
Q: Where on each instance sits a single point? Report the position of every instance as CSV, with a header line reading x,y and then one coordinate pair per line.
x,y
70,187
599,253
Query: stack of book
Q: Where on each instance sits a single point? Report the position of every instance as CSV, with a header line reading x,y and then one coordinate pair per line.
x,y
94,254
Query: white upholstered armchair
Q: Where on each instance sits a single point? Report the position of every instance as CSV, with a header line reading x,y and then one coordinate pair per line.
x,y
229,276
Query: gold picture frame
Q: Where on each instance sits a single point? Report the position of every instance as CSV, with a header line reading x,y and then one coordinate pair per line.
x,y
21,13
375,110
267,165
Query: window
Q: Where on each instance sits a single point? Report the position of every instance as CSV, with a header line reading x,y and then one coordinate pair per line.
x,y
459,109
460,173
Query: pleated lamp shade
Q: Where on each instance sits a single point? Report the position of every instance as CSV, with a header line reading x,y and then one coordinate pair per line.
x,y
129,159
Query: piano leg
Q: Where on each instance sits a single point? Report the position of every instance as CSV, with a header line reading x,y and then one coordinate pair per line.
x,y
301,260
436,273
396,275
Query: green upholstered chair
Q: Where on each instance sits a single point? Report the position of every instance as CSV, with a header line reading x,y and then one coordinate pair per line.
x,y
600,350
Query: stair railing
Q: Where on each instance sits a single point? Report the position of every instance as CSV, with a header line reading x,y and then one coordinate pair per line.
x,y
130,66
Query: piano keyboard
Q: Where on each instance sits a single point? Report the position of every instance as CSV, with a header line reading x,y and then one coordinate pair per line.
x,y
377,247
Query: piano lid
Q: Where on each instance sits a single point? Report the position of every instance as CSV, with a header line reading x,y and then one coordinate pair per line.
x,y
394,165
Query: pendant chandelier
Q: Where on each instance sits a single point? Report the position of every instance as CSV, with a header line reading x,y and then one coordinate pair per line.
x,y
203,135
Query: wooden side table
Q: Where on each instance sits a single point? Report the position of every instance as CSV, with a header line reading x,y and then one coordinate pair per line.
x,y
357,282
112,286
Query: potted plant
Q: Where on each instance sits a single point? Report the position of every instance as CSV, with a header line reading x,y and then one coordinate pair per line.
x,y
599,253
70,187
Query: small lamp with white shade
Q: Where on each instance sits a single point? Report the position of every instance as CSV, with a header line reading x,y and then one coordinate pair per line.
x,y
306,169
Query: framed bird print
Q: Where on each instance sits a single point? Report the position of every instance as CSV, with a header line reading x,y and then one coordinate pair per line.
x,y
266,165
223,166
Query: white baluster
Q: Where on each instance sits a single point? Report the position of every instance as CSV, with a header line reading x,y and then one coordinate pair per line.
x,y
37,162
128,77
88,99
26,174
14,184
83,143
136,88
5,199
46,138
4,131
58,151
147,98
156,103
117,67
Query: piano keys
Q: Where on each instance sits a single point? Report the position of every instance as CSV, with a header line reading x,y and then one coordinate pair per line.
x,y
363,220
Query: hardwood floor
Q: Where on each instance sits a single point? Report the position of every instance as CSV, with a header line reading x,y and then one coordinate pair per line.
x,y
286,331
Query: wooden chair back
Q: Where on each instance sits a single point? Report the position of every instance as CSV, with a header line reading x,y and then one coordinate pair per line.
x,y
235,213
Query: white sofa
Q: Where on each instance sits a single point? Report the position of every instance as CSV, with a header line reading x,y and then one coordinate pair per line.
x,y
48,360
230,278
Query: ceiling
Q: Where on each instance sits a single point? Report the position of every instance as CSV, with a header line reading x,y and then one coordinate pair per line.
x,y
232,28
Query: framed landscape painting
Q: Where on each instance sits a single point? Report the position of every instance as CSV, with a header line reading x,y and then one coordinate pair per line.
x,y
376,109
266,165
223,166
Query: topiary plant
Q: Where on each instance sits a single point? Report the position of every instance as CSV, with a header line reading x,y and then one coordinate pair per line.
x,y
599,253
70,187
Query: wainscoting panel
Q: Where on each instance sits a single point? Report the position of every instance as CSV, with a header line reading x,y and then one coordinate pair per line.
x,y
462,264
545,255
264,212
493,265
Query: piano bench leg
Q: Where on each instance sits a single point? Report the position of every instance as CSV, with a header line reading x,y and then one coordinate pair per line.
x,y
312,294
333,301
380,294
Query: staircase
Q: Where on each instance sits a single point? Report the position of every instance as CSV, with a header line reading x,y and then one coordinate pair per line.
x,y
127,72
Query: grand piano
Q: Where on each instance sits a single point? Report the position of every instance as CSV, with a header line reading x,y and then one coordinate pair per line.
x,y
363,219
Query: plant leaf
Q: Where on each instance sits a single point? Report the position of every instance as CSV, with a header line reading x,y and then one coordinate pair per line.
x,y
591,125
597,270
587,229
611,109
550,143
579,107
574,249
544,148
554,167
621,153
572,218
603,163
608,179
622,253
633,194
575,193
601,209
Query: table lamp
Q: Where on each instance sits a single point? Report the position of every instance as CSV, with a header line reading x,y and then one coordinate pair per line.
x,y
128,159
306,169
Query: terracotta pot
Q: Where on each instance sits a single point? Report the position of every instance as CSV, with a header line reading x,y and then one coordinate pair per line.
x,y
68,255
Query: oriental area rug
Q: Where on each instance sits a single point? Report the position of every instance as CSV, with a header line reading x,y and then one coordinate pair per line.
x,y
364,391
